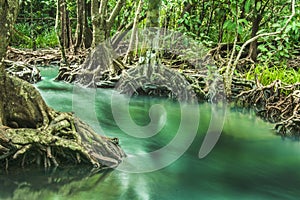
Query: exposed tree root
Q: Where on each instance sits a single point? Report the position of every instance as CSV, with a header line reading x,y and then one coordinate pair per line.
x,y
294,63
29,73
100,65
277,103
66,141
44,56
34,134
156,80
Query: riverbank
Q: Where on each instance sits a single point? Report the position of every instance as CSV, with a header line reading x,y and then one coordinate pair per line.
x,y
277,102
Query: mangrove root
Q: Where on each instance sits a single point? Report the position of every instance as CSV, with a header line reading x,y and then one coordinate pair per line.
x,y
277,103
32,133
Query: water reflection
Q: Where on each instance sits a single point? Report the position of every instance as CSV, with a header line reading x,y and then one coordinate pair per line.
x,y
44,184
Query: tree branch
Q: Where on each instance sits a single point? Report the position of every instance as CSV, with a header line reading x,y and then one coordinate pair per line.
x,y
115,13
102,11
230,69
128,55
228,76
122,31
265,34
262,8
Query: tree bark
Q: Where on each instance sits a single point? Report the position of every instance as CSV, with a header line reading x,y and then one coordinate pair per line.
x,y
255,27
8,15
33,133
98,21
129,54
258,16
101,63
87,33
113,16
80,23
60,29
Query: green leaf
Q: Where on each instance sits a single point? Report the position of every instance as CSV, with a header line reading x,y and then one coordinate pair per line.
x,y
240,30
247,6
229,25
262,48
258,5
243,21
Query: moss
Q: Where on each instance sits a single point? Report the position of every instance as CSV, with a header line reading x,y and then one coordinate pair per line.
x,y
59,144
38,135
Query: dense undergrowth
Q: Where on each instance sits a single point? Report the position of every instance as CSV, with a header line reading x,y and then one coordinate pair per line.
x,y
25,37
268,74
265,72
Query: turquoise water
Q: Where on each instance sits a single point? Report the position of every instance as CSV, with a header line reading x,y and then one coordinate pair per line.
x,y
248,161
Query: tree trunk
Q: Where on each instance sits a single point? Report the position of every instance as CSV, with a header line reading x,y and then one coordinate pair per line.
x,y
210,17
69,39
59,29
8,15
253,45
31,133
112,17
152,24
221,30
83,35
63,24
257,17
101,63
98,21
129,54
80,23
87,33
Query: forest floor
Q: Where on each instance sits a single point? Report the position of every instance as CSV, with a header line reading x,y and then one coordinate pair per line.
x,y
277,103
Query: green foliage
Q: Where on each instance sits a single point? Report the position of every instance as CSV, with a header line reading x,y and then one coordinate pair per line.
x,y
284,46
210,22
35,24
214,22
267,75
23,37
47,39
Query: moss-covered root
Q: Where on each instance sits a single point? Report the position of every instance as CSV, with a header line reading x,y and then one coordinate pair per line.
x,y
66,141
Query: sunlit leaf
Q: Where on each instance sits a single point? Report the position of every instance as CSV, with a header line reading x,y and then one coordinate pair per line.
x,y
247,6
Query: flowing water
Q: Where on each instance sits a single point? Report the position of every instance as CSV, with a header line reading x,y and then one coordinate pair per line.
x,y
248,161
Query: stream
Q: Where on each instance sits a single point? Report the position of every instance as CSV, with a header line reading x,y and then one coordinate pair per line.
x,y
248,161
